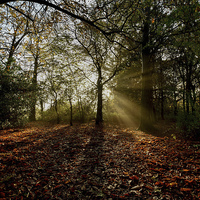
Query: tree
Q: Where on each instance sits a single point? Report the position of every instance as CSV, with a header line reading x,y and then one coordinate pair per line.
x,y
105,61
157,27
15,28
126,91
14,98
146,25
35,51
63,75
36,48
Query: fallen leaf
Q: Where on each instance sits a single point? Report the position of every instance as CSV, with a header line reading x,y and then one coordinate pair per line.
x,y
186,189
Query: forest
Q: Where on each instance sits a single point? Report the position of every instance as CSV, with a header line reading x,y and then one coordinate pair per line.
x,y
100,99
122,62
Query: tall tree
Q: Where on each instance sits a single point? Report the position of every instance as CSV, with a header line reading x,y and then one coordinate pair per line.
x,y
62,70
14,27
102,54
146,25
34,49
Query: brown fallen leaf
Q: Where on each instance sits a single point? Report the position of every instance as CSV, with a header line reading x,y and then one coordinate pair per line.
x,y
186,189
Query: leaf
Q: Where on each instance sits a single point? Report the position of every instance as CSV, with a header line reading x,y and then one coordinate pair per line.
x,y
72,189
51,170
58,186
135,178
68,181
173,184
186,189
84,175
185,170
2,194
159,183
148,187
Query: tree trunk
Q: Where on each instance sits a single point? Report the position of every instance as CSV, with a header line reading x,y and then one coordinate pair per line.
x,y
81,111
34,84
161,93
175,104
56,109
99,117
147,95
147,83
162,104
184,94
71,112
11,53
13,47
188,89
42,107
193,98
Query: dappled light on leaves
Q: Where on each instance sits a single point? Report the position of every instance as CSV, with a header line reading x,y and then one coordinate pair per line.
x,y
57,58
88,162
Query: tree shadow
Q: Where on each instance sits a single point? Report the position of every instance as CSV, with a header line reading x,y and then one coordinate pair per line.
x,y
164,128
93,151
72,162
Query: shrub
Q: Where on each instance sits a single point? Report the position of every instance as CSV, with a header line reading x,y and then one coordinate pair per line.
x,y
189,125
14,101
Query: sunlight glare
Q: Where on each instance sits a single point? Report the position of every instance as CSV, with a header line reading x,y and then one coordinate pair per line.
x,y
128,111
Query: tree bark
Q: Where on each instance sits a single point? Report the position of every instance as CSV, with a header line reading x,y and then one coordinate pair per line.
x,y
161,93
42,107
146,123
56,109
14,45
183,82
193,98
34,84
175,104
71,112
99,117
147,95
162,104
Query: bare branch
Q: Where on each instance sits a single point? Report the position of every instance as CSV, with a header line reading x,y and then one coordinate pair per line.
x,y
20,12
44,2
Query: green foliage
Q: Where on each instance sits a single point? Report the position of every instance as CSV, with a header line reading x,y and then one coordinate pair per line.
x,y
49,116
128,82
14,99
84,115
111,117
168,31
189,125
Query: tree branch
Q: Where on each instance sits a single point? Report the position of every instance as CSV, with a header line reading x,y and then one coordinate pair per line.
x,y
20,12
44,2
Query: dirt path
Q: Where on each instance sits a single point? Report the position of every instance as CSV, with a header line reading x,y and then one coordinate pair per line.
x,y
86,162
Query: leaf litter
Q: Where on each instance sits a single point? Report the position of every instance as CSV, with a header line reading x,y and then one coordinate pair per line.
x,y
88,162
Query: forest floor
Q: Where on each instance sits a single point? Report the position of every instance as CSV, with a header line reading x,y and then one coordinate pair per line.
x,y
88,162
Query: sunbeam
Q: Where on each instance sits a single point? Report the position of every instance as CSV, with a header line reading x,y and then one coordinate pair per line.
x,y
128,112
